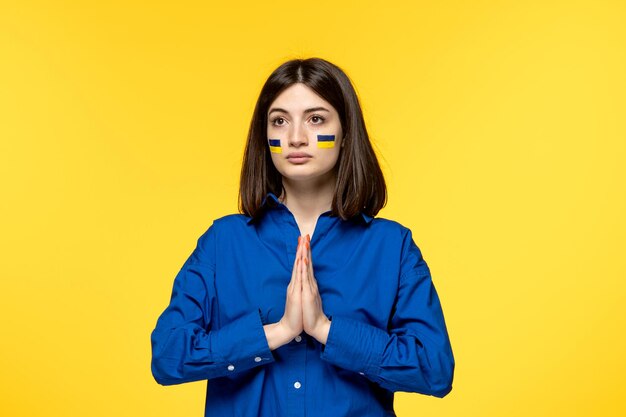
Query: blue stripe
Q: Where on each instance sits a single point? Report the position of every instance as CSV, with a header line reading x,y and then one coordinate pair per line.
x,y
325,138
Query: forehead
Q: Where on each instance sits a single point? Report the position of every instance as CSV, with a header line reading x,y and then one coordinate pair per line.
x,y
298,97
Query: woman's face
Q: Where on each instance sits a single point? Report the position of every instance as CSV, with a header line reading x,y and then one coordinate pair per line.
x,y
304,134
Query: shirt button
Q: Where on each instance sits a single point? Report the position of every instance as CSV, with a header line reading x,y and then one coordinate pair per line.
x,y
297,385
231,368
298,338
257,359
361,373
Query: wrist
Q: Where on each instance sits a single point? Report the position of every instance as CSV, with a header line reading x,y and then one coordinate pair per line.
x,y
276,335
322,331
286,333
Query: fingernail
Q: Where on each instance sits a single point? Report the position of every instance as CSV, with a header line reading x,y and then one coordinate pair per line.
x,y
308,238
307,245
306,261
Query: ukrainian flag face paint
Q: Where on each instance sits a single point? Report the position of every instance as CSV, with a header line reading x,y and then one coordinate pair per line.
x,y
325,141
275,146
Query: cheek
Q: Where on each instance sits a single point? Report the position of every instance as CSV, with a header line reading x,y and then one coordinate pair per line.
x,y
277,162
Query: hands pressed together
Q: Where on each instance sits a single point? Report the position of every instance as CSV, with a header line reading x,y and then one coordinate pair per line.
x,y
303,308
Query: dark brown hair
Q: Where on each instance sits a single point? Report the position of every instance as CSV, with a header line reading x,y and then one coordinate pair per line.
x,y
360,182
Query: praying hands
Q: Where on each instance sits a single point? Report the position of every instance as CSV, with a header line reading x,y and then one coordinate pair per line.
x,y
303,307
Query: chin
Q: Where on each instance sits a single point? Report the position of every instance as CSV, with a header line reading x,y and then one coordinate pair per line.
x,y
305,175
299,177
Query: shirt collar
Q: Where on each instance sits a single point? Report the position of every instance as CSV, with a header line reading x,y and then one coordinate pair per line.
x,y
271,196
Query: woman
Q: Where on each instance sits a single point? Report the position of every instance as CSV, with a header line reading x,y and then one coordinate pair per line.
x,y
305,304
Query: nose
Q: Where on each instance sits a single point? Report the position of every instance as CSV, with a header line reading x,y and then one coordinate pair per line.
x,y
298,136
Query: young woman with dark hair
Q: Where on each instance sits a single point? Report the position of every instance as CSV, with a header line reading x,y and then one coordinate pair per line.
x,y
304,303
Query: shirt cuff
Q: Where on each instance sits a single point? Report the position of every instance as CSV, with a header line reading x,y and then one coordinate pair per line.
x,y
243,342
355,345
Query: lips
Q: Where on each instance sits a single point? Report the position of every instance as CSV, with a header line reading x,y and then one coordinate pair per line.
x,y
298,157
299,160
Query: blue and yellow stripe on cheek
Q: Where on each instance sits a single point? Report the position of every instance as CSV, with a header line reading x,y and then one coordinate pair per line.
x,y
275,146
325,141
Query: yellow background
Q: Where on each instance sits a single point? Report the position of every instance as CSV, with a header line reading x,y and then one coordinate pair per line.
x,y
500,127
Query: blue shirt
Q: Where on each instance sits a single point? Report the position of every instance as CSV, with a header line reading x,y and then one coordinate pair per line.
x,y
387,330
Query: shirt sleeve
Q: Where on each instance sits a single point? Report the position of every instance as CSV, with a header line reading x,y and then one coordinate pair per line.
x,y
186,346
414,354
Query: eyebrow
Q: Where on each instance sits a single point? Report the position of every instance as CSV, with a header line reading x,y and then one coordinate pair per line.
x,y
312,109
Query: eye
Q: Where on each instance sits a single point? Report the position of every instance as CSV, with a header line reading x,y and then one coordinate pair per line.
x,y
277,119
318,117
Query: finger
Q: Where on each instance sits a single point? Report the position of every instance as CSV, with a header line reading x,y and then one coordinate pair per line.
x,y
311,274
307,276
300,247
313,282
308,265
307,246
300,269
301,256
298,286
310,262
307,243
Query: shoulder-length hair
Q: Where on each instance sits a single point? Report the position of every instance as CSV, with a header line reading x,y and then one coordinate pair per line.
x,y
360,184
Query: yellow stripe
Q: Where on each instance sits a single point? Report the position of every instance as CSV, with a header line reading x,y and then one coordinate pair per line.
x,y
276,149
326,144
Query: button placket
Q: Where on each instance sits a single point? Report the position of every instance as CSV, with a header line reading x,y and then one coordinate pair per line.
x,y
296,377
291,233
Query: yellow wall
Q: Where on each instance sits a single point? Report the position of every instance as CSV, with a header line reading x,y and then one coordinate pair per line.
x,y
501,131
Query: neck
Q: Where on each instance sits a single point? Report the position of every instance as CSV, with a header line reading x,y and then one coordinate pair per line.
x,y
308,199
